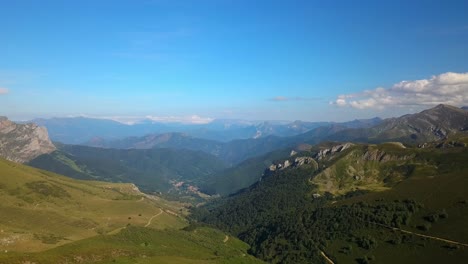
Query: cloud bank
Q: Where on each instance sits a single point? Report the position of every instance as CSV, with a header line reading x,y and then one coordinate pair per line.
x,y
4,90
193,119
447,88
131,120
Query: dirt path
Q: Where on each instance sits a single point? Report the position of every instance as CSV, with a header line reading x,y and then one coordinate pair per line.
x,y
421,235
226,238
326,257
151,219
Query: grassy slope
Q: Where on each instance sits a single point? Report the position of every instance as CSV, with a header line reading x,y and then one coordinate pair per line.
x,y
40,210
359,168
143,245
48,218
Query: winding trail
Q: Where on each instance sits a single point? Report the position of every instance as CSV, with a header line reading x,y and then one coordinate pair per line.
x,y
151,219
226,238
421,235
326,257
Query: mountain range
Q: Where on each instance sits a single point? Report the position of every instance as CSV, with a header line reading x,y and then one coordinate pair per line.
x,y
431,124
157,161
377,191
79,130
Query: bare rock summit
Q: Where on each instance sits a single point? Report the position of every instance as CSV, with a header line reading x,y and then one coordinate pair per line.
x,y
23,142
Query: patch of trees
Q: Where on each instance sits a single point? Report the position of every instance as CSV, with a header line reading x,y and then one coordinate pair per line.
x,y
283,224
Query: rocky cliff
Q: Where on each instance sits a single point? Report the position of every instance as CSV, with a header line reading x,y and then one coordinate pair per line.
x,y
23,142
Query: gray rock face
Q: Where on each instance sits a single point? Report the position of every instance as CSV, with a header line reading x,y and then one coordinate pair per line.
x,y
330,151
22,143
298,162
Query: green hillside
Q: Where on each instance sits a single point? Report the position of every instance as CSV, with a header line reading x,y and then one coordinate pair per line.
x,y
40,209
48,218
240,176
150,169
408,205
144,245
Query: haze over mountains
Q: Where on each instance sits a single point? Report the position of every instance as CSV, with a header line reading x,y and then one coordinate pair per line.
x,y
432,124
102,132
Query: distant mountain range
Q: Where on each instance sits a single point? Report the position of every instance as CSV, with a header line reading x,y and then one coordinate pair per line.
x,y
429,125
80,130
432,124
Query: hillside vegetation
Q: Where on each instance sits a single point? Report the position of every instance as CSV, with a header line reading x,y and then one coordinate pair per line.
x,y
40,209
48,218
364,203
144,245
243,175
150,169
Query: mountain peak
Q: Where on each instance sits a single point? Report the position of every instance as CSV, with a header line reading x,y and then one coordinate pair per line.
x,y
447,106
444,109
23,142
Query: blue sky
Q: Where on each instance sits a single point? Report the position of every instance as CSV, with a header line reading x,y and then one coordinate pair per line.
x,y
197,60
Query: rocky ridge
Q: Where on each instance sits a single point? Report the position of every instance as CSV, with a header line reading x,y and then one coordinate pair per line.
x,y
303,160
361,167
437,123
23,142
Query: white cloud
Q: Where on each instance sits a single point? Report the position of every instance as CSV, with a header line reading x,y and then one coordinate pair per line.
x,y
341,101
131,120
193,119
447,88
4,90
